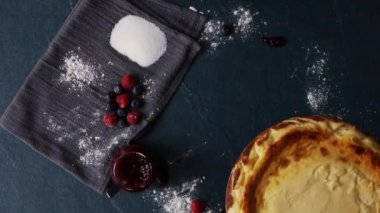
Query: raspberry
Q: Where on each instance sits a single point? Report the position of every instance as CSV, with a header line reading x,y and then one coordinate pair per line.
x,y
128,81
133,118
110,119
123,100
197,206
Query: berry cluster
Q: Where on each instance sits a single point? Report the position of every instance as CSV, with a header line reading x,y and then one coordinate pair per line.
x,y
124,102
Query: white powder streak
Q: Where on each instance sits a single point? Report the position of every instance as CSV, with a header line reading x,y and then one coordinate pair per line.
x,y
317,97
245,22
78,72
176,199
318,93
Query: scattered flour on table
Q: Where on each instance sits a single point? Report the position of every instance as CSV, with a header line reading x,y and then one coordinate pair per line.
x,y
243,19
60,126
140,40
318,90
175,198
369,112
213,34
246,23
149,85
94,157
322,86
94,149
78,72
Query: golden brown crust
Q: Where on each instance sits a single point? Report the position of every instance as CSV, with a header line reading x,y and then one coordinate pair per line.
x,y
298,137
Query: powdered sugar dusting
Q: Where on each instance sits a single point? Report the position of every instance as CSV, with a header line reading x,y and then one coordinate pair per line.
x,y
59,126
318,92
95,157
177,198
369,112
94,149
317,97
245,22
52,125
148,84
78,73
213,34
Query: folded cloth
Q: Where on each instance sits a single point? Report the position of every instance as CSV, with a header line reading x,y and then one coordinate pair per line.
x,y
59,114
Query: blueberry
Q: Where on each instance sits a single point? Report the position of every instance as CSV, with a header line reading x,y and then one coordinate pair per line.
x,y
137,90
112,106
137,103
121,112
122,122
111,96
117,89
228,29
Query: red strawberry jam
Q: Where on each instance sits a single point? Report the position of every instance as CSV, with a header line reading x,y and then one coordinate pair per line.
x,y
132,169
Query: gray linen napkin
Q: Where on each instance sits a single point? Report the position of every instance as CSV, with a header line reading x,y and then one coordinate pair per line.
x,y
61,117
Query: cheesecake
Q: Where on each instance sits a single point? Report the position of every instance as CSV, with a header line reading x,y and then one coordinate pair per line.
x,y
312,164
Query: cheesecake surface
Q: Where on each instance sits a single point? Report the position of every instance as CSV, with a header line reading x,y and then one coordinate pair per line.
x,y
307,164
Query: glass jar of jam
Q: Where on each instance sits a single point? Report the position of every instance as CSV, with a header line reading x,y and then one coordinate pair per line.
x,y
132,169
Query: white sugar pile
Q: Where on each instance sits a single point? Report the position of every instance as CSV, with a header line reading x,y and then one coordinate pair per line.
x,y
78,72
138,39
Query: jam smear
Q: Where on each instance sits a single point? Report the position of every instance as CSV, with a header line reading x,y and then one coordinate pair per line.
x,y
275,41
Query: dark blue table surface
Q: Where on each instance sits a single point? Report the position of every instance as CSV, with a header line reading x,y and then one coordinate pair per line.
x,y
227,98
